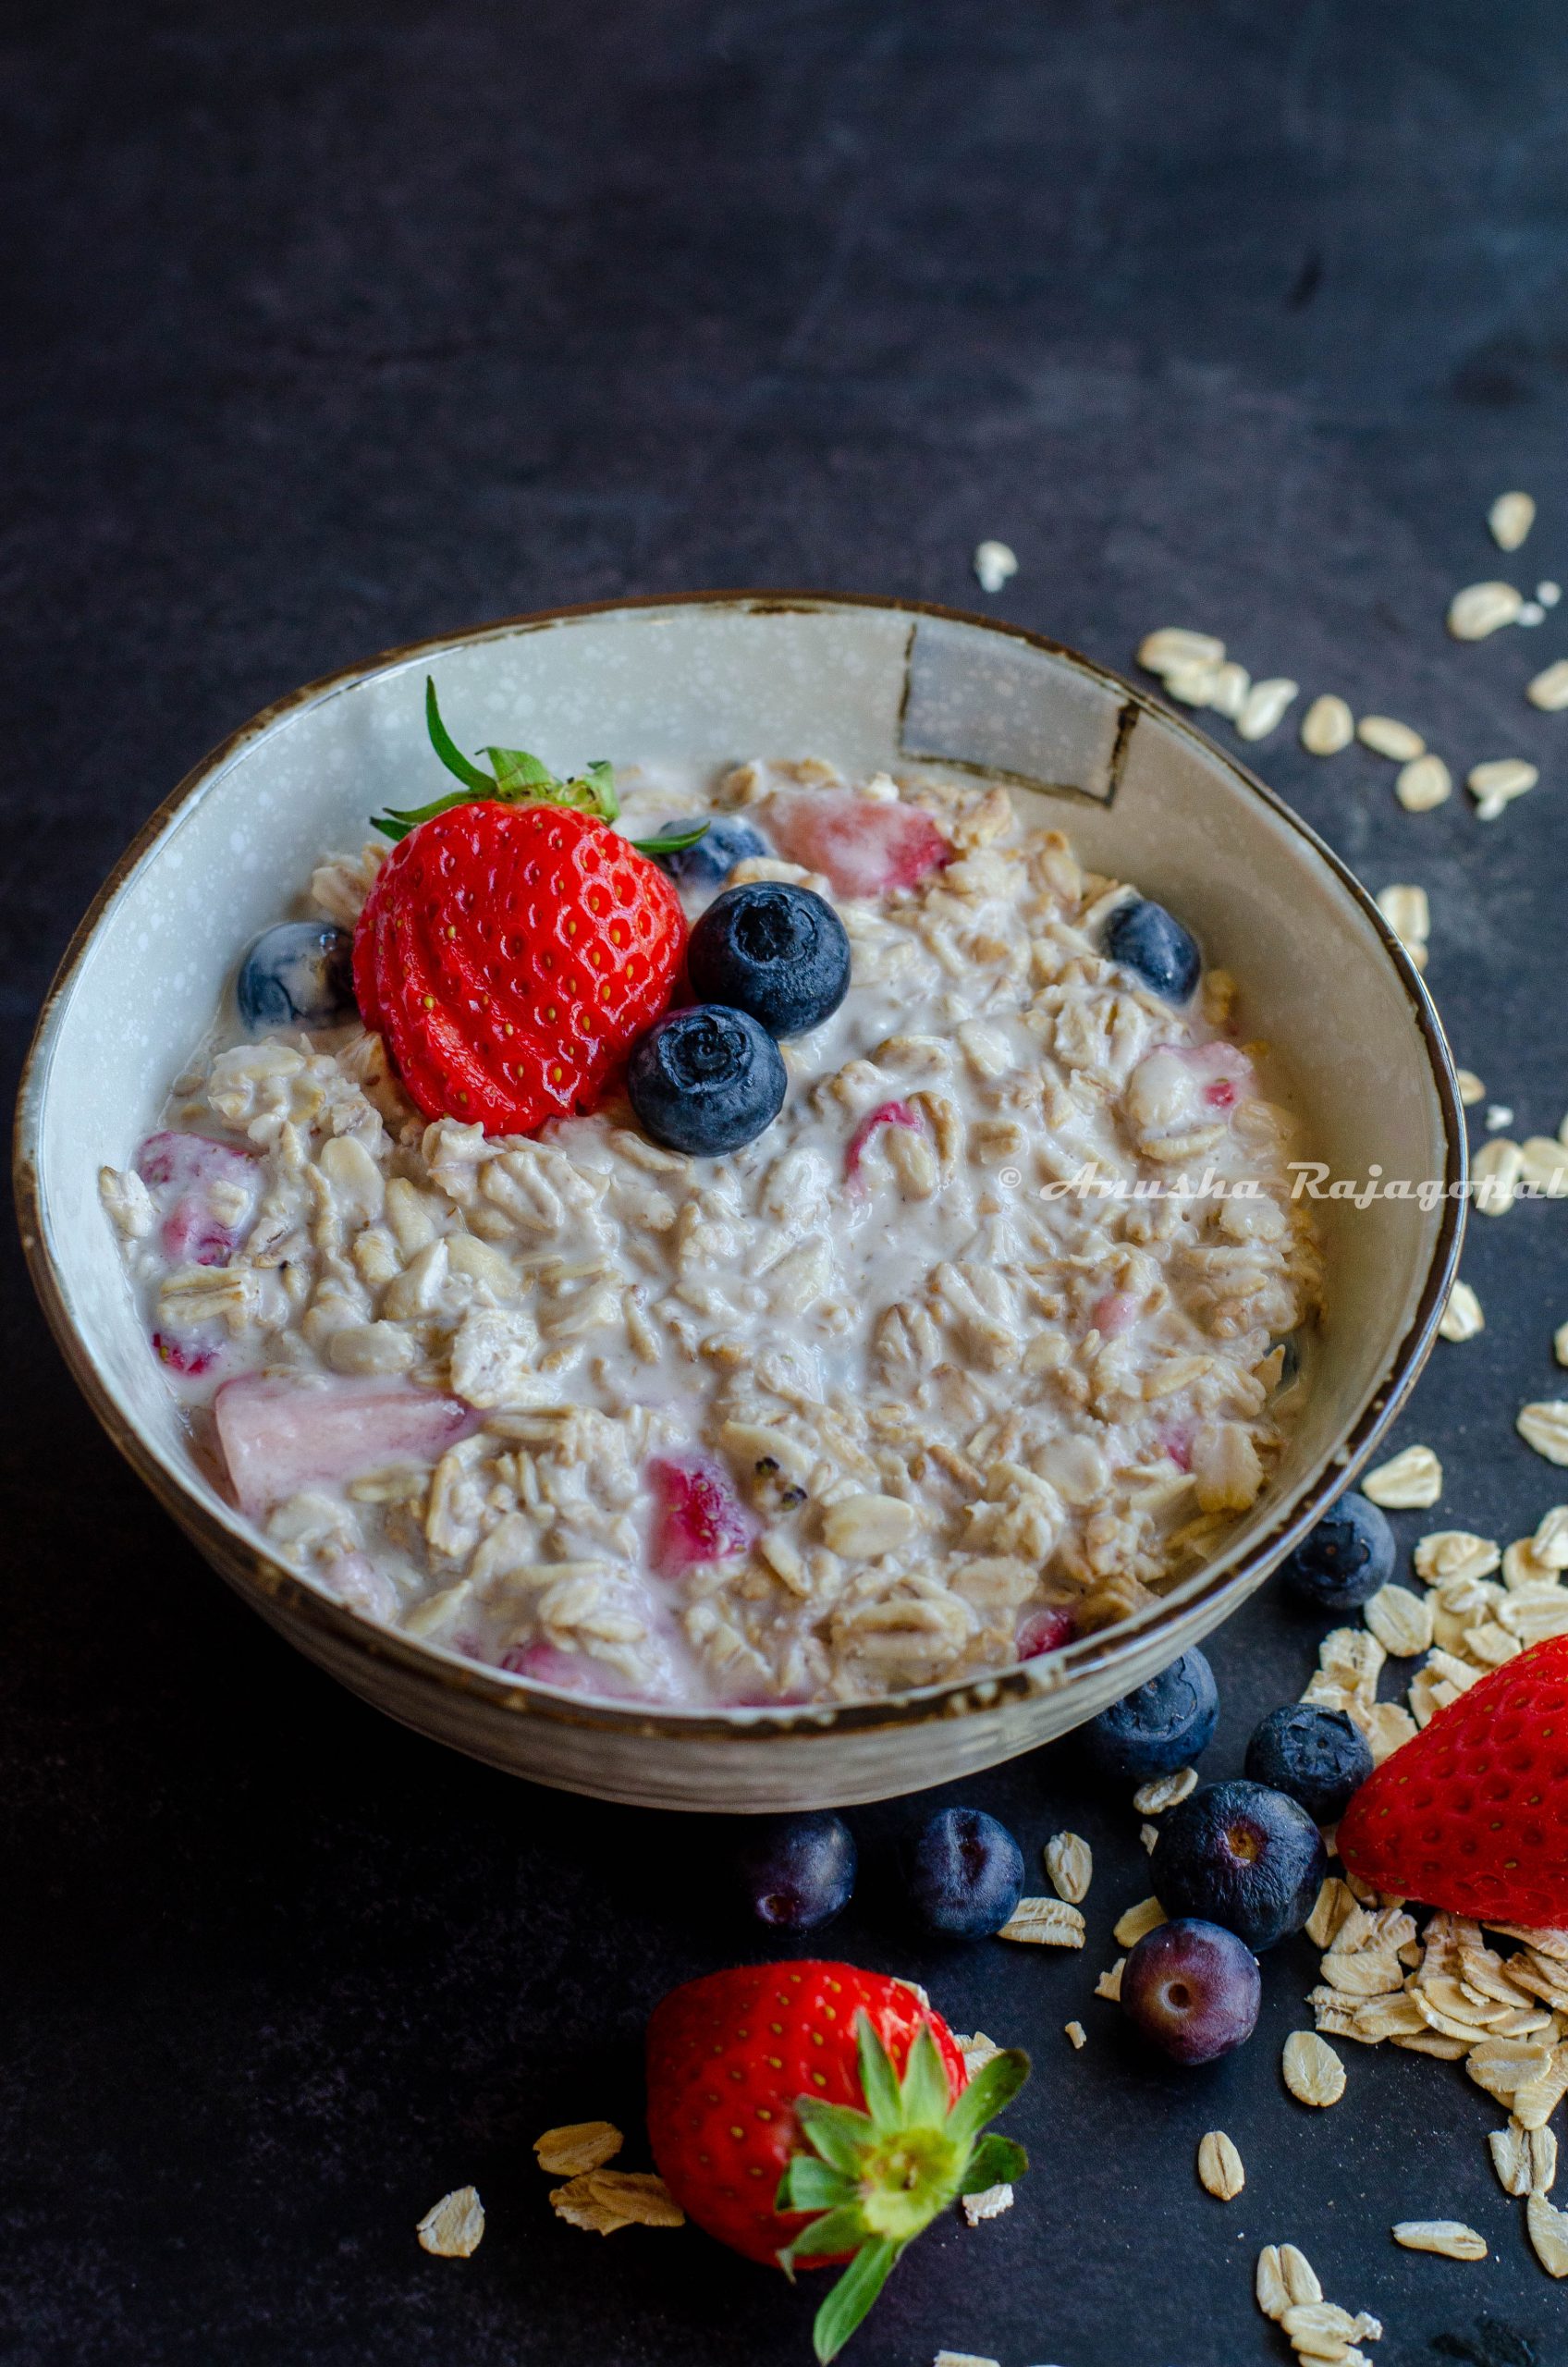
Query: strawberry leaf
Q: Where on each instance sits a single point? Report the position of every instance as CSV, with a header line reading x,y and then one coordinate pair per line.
x,y
446,748
996,2161
810,2185
852,2297
517,772
839,2133
671,841
835,2232
879,2082
993,2086
926,2097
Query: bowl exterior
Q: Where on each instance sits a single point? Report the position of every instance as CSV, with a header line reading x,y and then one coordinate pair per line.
x,y
904,684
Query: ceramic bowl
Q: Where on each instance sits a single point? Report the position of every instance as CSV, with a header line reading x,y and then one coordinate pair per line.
x,y
870,683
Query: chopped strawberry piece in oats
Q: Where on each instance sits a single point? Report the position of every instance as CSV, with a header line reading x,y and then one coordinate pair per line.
x,y
864,846
698,1516
279,1436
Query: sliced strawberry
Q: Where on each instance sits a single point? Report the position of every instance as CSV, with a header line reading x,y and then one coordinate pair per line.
x,y
189,1353
809,2113
888,1113
698,1518
1044,1631
171,1157
1472,1813
279,1436
864,846
1114,1314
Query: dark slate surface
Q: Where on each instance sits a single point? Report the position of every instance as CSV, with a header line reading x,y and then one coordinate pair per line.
x,y
331,326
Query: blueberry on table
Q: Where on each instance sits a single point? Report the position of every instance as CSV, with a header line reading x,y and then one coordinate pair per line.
x,y
1192,1988
797,1871
297,974
1243,1855
1315,1755
965,1874
1144,938
774,949
1161,1727
1346,1558
709,860
706,1080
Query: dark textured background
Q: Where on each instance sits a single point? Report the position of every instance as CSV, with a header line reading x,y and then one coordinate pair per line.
x,y
332,327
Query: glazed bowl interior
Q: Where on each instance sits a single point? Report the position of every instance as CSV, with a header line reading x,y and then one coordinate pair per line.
x,y
1355,1049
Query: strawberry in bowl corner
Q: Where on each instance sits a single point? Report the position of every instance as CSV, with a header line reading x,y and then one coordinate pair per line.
x,y
515,946
809,2114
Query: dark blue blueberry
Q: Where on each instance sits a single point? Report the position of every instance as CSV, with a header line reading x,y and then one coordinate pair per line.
x,y
775,950
1241,1855
1315,1756
706,1080
709,860
1347,1557
965,1874
798,1871
1193,1988
1160,1727
1152,943
297,974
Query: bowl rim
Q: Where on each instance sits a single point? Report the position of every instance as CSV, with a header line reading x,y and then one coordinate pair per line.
x,y
238,1556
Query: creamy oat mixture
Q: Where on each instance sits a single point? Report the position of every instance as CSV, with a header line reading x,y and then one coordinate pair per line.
x,y
857,1407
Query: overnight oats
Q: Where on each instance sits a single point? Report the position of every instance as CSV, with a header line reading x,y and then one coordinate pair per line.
x,y
731,1236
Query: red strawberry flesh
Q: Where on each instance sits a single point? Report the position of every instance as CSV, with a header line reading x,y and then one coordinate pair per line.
x,y
698,1518
1472,1813
889,1113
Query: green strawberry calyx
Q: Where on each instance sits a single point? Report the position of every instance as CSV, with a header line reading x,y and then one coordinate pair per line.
x,y
875,2178
518,780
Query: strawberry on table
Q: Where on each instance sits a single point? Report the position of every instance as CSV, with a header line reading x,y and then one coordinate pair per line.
x,y
810,2113
514,946
1472,1813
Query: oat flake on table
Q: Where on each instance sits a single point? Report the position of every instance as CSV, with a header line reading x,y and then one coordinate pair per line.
x,y
1411,1482
454,2227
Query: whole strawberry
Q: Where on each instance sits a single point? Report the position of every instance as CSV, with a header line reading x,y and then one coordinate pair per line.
x,y
809,2113
514,947
1472,1813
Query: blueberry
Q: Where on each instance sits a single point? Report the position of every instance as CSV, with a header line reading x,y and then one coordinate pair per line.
x,y
297,974
797,1871
1347,1557
965,1874
1152,943
773,950
1192,1988
706,1080
1313,1755
1241,1855
709,860
1160,1727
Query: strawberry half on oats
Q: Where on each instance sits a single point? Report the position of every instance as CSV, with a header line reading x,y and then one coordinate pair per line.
x,y
808,2114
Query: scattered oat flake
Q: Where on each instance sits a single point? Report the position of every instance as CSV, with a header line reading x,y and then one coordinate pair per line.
x,y
976,2052
1451,1554
1548,593
1076,2033
1560,1343
1313,2072
1264,706
1498,782
1302,2288
1545,1166
1471,1089
1148,1836
639,2197
1232,687
1070,1864
1407,912
1326,726
994,565
1424,783
1496,1169
1544,1425
1498,1116
1385,736
578,2146
1162,1792
577,2204
1525,2159
1548,2229
1463,1318
1549,689
1220,2166
1483,608
1449,2236
1269,2283
1174,647
1409,1482
989,2203
452,2228
1045,1922
961,2359
1109,1983
1511,518
1401,1621
1334,1904
1147,1916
